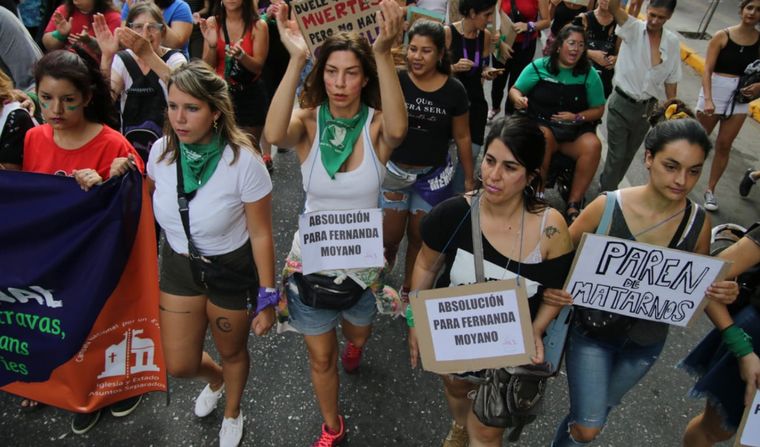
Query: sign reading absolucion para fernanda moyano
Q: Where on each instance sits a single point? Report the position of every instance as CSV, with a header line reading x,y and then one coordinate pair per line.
x,y
469,328
333,240
641,280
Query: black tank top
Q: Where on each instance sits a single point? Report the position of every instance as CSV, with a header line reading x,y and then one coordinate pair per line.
x,y
600,37
734,58
564,15
472,49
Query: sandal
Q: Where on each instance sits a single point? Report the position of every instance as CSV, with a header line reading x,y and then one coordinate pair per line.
x,y
572,212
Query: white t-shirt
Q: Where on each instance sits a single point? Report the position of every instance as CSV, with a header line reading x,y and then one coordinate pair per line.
x,y
217,215
118,67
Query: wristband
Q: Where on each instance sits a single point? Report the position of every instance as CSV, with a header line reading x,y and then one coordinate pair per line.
x,y
409,317
531,26
58,36
267,297
579,118
737,341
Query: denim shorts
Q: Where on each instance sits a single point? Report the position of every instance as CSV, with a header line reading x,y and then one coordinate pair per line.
x,y
410,200
600,372
312,321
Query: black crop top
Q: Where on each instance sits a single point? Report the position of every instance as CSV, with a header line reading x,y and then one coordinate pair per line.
x,y
734,58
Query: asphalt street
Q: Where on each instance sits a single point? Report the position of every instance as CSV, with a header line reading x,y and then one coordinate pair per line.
x,y
388,403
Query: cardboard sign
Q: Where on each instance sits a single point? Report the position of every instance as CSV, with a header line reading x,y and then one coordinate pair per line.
x,y
320,19
506,29
641,280
414,13
333,240
473,327
749,430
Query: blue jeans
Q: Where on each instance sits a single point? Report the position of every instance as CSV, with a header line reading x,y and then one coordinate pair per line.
x,y
599,373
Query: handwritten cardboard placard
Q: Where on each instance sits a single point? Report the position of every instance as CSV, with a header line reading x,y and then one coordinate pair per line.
x,y
414,13
507,30
332,240
469,328
320,19
641,280
749,430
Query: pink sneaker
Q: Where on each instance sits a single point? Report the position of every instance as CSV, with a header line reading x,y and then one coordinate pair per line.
x,y
351,358
327,439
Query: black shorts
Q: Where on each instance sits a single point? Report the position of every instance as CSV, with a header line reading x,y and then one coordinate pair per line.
x,y
176,276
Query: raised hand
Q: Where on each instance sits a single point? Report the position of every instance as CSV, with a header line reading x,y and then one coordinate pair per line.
x,y
107,41
391,23
292,40
134,41
209,30
236,51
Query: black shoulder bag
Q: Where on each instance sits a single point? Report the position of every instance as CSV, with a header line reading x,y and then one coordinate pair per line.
x,y
205,270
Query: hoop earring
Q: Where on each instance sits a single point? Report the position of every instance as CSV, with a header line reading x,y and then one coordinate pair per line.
x,y
479,176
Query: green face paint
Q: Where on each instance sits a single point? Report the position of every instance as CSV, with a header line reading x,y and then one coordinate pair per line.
x,y
72,108
45,105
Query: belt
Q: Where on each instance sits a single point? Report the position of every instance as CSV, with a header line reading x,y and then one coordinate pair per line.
x,y
629,98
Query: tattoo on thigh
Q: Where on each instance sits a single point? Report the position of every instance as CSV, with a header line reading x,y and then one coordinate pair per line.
x,y
550,231
162,308
224,325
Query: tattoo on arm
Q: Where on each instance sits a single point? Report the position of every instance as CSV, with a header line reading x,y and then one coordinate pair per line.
x,y
223,324
550,231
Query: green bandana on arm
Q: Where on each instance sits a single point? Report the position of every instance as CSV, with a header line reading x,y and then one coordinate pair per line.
x,y
337,136
199,162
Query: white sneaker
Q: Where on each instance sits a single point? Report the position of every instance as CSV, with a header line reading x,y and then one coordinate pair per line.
x,y
232,431
207,400
711,203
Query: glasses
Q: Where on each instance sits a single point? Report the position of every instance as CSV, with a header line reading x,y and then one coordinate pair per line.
x,y
152,27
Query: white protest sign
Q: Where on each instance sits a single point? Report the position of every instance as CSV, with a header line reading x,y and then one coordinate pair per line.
x,y
320,19
749,431
332,240
469,328
641,280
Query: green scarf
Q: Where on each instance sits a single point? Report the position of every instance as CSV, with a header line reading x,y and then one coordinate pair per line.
x,y
337,136
199,162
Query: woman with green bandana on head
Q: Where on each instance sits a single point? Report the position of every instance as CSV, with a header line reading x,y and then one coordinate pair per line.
x,y
343,141
228,217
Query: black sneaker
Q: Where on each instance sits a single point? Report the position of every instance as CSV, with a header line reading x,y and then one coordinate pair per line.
x,y
125,407
83,422
746,184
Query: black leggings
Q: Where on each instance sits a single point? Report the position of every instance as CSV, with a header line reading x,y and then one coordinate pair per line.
x,y
512,69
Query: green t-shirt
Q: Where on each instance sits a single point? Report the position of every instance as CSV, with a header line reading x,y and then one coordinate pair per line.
x,y
594,89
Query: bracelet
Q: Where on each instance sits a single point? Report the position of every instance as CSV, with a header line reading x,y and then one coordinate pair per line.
x,y
531,26
58,36
579,118
737,341
409,317
267,297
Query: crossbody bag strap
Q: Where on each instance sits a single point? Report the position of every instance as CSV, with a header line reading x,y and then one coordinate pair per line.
x,y
477,239
183,201
609,208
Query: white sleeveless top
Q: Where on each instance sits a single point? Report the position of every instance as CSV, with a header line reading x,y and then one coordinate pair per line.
x,y
356,189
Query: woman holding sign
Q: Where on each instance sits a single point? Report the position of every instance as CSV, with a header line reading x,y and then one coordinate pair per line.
x,y
343,141
727,358
213,200
607,354
521,237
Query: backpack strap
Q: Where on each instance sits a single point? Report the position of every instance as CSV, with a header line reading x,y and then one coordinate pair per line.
x,y
169,54
538,73
131,64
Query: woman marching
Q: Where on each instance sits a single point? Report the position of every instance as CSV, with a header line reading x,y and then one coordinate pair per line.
x,y
605,361
343,142
138,74
521,236
237,44
564,94
419,171
720,104
213,200
470,45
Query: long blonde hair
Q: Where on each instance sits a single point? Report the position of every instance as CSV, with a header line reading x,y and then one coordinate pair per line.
x,y
6,88
198,80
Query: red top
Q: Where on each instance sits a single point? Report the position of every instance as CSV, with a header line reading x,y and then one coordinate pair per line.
x,y
528,10
44,156
79,20
247,46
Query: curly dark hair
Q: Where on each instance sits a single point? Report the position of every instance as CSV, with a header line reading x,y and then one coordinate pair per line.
x,y
583,65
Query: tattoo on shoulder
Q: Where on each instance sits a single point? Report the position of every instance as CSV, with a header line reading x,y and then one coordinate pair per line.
x,y
550,231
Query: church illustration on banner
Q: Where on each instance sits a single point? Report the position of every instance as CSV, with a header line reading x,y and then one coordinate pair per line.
x,y
117,356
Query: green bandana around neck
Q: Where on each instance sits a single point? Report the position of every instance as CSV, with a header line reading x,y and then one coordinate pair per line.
x,y
337,136
199,162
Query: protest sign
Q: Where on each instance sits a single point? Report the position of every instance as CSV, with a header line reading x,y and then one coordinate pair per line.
x,y
641,280
414,13
78,291
749,430
332,240
472,327
507,36
320,19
